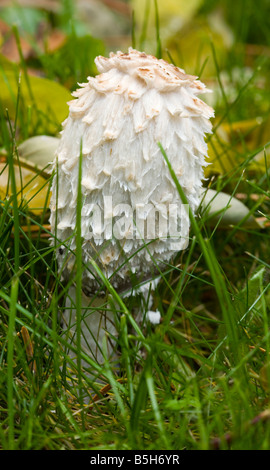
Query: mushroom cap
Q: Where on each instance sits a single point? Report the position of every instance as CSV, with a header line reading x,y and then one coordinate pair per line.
x,y
130,202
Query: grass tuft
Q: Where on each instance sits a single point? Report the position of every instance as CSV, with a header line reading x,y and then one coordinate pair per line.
x,y
201,378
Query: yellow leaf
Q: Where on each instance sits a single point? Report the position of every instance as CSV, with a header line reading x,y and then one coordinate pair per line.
x,y
171,12
46,99
192,46
31,172
232,144
32,188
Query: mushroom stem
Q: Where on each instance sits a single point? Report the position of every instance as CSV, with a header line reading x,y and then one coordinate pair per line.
x,y
97,325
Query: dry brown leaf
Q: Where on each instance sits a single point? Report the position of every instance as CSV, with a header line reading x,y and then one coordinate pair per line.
x,y
9,49
29,349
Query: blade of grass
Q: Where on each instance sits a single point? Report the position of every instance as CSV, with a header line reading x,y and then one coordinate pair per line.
x,y
214,268
178,289
159,48
118,390
14,189
231,105
33,411
133,29
219,78
10,360
118,300
146,388
14,282
139,404
126,355
46,331
23,64
152,395
145,23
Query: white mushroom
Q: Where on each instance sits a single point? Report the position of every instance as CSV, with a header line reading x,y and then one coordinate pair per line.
x,y
132,219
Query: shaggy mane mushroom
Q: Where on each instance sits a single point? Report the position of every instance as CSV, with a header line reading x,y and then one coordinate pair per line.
x,y
129,198
132,218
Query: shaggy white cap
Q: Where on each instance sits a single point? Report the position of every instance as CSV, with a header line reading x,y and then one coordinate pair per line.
x,y
120,116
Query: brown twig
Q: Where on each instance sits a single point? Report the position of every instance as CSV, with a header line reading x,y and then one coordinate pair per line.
x,y
29,349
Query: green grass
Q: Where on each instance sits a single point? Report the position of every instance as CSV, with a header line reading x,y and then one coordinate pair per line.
x,y
198,380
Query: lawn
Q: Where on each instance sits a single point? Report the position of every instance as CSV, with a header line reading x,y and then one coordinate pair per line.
x,y
199,379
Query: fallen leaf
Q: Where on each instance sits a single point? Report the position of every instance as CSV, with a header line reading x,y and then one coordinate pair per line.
x,y
32,172
10,49
32,188
229,147
173,14
226,210
38,152
29,349
47,99
54,41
